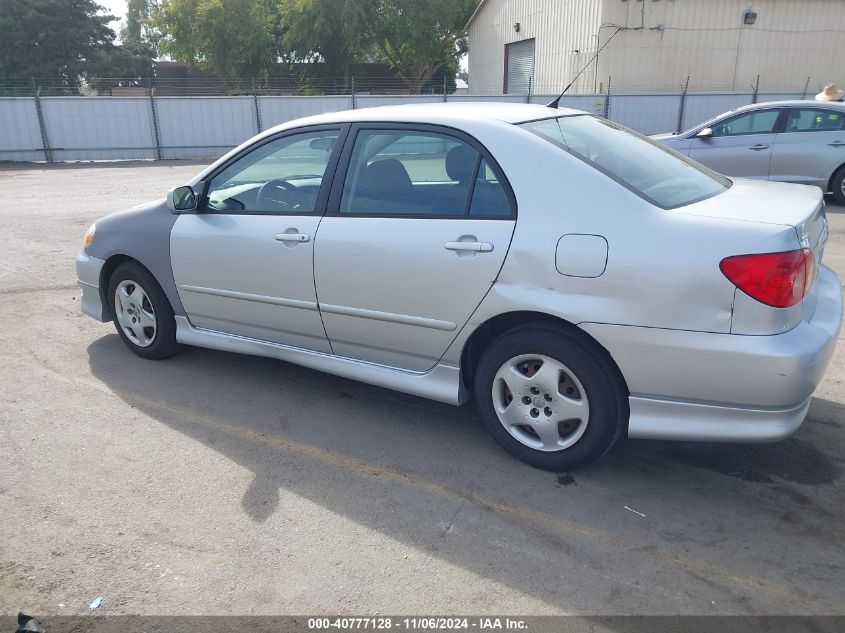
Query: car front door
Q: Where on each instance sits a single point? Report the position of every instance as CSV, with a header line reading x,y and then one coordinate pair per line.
x,y
741,145
415,234
811,146
244,263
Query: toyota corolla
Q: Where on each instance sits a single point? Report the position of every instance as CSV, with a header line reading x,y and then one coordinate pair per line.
x,y
577,280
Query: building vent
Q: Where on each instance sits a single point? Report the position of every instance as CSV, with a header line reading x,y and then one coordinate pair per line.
x,y
519,67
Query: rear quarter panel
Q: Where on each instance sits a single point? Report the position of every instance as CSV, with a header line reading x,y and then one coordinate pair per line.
x,y
662,266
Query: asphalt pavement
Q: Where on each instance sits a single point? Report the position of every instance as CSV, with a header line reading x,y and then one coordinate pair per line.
x,y
213,483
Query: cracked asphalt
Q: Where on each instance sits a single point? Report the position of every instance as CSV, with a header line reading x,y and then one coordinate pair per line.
x,y
213,483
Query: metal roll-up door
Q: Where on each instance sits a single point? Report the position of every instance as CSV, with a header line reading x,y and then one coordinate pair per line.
x,y
520,66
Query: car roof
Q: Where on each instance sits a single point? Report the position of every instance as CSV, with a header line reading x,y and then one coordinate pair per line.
x,y
441,113
837,105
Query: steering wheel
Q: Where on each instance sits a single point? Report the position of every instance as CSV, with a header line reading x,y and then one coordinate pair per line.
x,y
277,192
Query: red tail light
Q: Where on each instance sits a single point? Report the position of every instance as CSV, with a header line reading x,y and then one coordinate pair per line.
x,y
776,279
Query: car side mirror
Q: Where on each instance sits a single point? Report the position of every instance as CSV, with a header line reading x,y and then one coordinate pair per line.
x,y
182,199
705,133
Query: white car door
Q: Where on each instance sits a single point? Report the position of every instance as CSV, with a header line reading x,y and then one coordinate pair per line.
x,y
414,236
244,263
811,146
741,145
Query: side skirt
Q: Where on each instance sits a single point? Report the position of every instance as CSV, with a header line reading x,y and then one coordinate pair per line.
x,y
442,383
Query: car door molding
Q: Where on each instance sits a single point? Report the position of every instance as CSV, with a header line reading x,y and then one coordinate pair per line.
x,y
247,296
390,317
342,171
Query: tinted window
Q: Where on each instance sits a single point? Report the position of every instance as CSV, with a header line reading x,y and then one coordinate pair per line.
x,y
408,173
278,178
647,168
488,197
814,120
758,122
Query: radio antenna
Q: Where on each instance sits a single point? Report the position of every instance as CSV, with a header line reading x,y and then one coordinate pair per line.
x,y
554,104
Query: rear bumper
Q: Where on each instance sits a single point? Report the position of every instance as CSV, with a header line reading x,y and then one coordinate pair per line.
x,y
725,387
88,277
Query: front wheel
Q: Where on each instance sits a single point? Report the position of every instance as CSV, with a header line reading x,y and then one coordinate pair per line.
x,y
549,398
143,316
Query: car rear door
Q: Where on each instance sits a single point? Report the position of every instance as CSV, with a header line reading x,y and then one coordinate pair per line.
x,y
811,146
243,264
741,145
418,226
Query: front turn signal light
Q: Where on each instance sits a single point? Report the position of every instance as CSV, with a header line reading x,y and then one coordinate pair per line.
x,y
89,236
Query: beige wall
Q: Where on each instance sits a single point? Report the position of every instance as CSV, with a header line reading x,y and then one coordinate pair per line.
x,y
559,27
705,39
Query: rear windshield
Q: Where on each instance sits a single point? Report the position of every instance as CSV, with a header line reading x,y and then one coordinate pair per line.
x,y
652,171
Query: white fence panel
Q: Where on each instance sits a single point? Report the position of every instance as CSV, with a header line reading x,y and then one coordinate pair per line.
x,y
481,99
276,110
649,114
781,96
203,127
701,107
373,101
120,128
20,130
98,128
587,103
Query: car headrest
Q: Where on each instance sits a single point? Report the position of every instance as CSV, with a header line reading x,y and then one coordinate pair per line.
x,y
386,176
460,163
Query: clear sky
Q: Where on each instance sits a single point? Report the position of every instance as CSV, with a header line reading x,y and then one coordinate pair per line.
x,y
118,9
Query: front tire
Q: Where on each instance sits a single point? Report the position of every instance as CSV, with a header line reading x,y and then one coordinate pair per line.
x,y
550,398
143,316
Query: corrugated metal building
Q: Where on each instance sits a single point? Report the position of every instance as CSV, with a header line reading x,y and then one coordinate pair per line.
x,y
719,44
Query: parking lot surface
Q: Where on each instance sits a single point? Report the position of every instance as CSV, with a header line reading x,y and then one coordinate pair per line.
x,y
214,483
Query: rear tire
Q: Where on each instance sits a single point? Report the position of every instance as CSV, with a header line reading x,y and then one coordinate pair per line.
x,y
550,397
143,316
838,186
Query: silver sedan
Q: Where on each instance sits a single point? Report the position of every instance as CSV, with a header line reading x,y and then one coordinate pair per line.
x,y
575,279
788,141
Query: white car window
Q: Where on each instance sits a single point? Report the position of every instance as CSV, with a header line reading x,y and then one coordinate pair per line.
x,y
649,169
397,172
756,122
815,120
280,177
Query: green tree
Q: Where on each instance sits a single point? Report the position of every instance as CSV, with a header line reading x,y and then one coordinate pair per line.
x,y
416,38
232,38
56,41
137,12
332,34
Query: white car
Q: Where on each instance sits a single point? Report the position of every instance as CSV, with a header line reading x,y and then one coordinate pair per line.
x,y
577,279
789,141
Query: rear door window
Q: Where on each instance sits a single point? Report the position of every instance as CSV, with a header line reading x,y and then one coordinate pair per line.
x,y
415,173
815,120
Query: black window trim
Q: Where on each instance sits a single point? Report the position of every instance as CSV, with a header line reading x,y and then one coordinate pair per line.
x,y
811,107
325,185
342,171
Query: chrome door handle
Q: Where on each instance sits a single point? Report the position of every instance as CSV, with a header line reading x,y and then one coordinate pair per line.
x,y
476,247
757,148
837,144
292,237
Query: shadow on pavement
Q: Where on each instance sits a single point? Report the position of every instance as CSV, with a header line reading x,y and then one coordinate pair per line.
x,y
415,469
